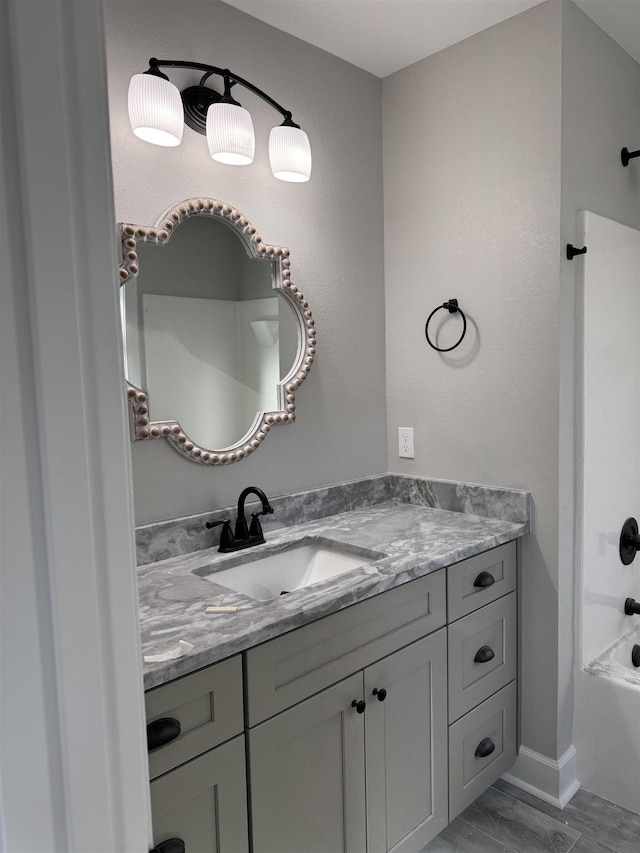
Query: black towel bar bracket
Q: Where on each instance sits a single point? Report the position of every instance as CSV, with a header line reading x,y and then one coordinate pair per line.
x,y
626,155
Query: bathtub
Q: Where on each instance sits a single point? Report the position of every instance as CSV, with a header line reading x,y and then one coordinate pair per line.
x,y
607,724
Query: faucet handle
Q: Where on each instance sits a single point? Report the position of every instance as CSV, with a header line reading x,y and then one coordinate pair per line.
x,y
256,527
226,536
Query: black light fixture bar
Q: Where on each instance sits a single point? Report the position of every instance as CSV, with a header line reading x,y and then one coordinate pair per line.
x,y
194,94
626,155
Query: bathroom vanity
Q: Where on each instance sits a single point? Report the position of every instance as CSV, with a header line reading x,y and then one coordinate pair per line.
x,y
361,714
350,683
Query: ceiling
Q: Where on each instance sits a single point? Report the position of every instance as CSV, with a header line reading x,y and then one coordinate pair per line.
x,y
383,36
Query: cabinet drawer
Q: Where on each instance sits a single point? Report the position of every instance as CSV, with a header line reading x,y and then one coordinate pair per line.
x,y
288,669
465,591
208,707
492,724
482,654
204,802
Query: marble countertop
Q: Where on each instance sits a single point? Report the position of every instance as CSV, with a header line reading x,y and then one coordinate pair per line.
x,y
415,540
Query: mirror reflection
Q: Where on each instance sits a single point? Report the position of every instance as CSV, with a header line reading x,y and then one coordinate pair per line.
x,y
205,333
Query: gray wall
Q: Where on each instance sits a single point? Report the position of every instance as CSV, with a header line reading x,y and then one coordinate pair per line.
x,y
333,226
472,210
508,134
600,115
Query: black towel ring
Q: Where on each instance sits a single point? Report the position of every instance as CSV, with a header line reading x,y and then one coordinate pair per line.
x,y
452,307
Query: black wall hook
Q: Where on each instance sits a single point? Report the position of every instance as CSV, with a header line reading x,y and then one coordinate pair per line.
x,y
572,251
626,155
452,307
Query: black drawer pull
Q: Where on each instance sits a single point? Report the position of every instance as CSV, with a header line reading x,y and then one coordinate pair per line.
x,y
359,706
484,579
171,845
380,694
485,747
160,732
484,655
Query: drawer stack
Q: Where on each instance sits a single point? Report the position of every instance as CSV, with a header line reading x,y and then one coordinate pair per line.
x,y
482,652
197,760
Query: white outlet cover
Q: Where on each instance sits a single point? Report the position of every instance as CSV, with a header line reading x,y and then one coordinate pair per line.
x,y
405,443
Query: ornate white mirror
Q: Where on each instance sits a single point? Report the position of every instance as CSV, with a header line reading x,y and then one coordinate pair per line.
x,y
217,338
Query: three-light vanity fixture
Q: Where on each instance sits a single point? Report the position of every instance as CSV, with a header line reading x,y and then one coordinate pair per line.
x,y
158,112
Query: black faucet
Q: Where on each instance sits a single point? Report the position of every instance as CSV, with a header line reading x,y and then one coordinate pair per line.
x,y
244,537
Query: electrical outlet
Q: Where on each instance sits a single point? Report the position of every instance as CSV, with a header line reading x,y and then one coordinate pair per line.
x,y
405,443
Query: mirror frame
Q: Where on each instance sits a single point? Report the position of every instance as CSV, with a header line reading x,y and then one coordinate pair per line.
x,y
142,425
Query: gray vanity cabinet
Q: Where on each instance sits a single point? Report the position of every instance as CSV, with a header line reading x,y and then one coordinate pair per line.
x,y
366,731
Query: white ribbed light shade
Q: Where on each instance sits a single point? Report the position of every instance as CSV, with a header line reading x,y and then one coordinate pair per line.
x,y
155,110
290,154
230,134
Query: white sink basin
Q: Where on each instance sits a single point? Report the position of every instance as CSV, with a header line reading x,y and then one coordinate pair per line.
x,y
293,566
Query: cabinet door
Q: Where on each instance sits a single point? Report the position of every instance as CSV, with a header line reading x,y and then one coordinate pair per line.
x,y
204,802
406,746
307,775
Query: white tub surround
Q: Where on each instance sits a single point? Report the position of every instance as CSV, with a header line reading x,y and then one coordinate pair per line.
x,y
607,705
611,425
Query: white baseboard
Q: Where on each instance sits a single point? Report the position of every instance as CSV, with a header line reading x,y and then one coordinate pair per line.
x,y
553,781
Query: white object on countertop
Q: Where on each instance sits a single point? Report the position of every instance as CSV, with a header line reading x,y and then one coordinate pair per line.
x,y
179,651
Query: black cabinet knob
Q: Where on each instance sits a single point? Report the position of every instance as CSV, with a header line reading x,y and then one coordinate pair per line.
x,y
484,655
635,655
359,706
161,732
485,747
171,845
484,579
380,694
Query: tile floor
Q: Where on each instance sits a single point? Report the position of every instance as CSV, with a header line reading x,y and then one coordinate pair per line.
x,y
507,820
